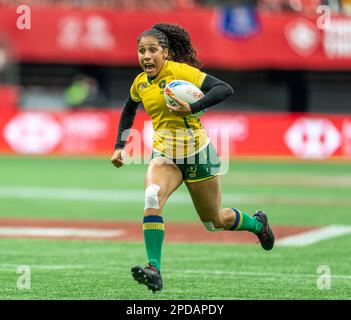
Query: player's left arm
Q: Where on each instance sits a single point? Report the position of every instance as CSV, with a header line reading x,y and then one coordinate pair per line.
x,y
215,92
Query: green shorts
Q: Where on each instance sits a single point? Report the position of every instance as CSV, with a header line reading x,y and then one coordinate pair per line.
x,y
201,166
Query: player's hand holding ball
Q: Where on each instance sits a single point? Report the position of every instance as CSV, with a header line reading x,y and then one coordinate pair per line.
x,y
182,108
118,158
179,94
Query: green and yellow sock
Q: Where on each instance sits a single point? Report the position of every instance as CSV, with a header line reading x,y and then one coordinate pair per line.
x,y
154,232
245,222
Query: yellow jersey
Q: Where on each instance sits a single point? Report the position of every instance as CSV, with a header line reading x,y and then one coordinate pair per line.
x,y
174,136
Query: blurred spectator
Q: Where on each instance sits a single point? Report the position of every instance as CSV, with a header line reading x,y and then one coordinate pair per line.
x,y
116,4
346,7
305,6
298,6
334,5
8,73
3,63
83,92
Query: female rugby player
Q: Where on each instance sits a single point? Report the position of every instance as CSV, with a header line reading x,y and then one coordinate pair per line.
x,y
181,148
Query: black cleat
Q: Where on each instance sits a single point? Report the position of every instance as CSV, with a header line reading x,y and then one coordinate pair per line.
x,y
149,276
266,235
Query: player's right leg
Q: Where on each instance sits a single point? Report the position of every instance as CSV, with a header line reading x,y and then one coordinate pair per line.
x,y
163,177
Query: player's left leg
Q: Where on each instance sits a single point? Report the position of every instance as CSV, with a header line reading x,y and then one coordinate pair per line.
x,y
206,196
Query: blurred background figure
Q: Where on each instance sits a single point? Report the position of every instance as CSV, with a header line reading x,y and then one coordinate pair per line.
x,y
9,93
7,65
3,63
83,92
113,4
346,5
334,5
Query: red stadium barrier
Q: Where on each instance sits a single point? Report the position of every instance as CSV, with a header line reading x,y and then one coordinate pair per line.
x,y
224,39
245,134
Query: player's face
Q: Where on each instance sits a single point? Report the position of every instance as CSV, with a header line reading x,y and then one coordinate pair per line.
x,y
151,55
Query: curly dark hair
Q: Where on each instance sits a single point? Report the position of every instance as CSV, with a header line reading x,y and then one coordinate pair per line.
x,y
177,40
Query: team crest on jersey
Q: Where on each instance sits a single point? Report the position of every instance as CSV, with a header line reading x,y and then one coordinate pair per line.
x,y
162,85
142,86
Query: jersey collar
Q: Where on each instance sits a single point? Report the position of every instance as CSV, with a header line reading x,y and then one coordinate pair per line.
x,y
152,79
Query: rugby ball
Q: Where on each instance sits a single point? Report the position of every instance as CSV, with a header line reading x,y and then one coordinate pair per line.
x,y
184,90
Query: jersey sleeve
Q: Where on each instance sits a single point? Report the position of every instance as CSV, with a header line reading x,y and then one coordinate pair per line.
x,y
191,74
134,92
126,122
215,91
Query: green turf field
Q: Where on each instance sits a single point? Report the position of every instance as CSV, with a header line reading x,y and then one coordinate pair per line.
x,y
293,193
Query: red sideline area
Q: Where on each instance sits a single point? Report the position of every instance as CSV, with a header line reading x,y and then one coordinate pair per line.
x,y
132,231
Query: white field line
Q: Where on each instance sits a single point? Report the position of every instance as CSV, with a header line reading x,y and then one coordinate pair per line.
x,y
79,194
12,267
59,232
249,274
273,179
69,194
314,236
258,274
98,195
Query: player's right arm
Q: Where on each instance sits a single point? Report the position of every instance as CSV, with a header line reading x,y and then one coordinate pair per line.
x,y
125,123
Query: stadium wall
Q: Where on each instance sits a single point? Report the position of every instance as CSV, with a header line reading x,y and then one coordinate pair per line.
x,y
225,38
82,132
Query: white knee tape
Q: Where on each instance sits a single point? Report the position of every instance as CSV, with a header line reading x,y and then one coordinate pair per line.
x,y
151,198
210,227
